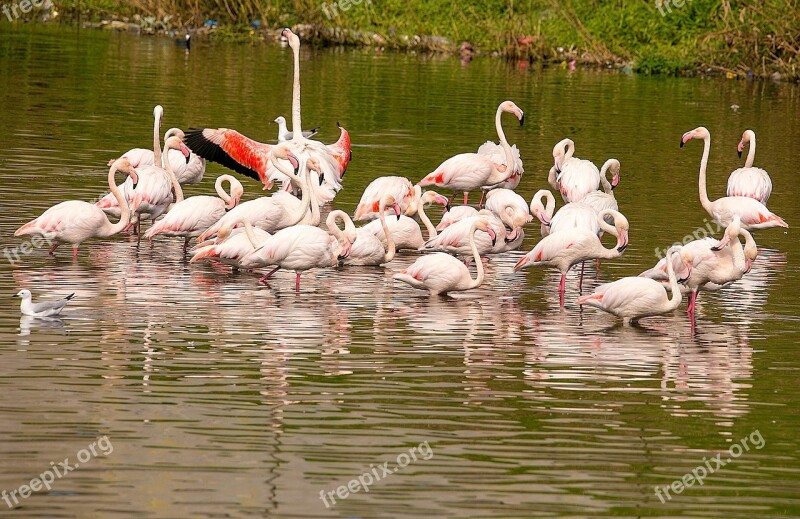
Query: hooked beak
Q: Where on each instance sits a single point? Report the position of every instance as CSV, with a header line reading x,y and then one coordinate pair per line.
x,y
688,274
444,201
345,250
397,210
748,264
283,33
321,179
186,152
686,137
492,235
624,242
521,118
294,162
722,243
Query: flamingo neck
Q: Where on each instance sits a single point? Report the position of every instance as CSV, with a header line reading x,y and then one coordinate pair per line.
x,y
610,252
504,143
751,152
603,180
176,186
704,201
124,209
221,192
248,229
390,247
676,296
477,257
429,227
157,160
296,123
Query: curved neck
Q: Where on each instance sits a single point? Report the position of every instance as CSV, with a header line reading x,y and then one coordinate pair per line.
x,y
429,227
296,123
751,152
228,199
738,254
333,227
176,186
504,143
125,212
311,204
676,297
157,140
704,201
477,257
390,249
613,251
248,229
603,180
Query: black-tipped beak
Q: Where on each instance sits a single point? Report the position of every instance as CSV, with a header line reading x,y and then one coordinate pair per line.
x,y
739,153
684,280
187,158
622,247
338,125
613,187
522,120
398,216
682,142
136,184
716,248
447,206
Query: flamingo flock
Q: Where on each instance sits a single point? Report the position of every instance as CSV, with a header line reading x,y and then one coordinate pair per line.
x,y
285,230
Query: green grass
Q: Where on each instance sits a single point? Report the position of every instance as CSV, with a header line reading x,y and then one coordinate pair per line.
x,y
737,38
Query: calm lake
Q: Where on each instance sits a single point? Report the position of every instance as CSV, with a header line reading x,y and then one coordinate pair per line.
x,y
223,398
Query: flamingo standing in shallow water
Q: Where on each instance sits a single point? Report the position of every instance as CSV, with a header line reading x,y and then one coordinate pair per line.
x,y
749,181
470,171
573,177
752,213
441,273
455,215
231,245
496,153
633,298
76,221
574,215
601,200
567,248
195,214
400,188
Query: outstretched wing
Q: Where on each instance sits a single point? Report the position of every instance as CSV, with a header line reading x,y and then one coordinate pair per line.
x,y
231,149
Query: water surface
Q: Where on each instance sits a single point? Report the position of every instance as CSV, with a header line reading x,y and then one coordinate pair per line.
x,y
225,398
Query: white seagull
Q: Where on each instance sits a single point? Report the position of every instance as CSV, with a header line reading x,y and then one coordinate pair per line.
x,y
43,309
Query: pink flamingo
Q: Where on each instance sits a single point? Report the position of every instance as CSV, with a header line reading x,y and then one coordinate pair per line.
x,y
633,298
752,213
750,181
231,245
298,248
497,154
509,207
195,214
457,238
573,177
470,171
405,231
363,247
567,248
574,215
76,221
399,188
601,200
441,273
282,209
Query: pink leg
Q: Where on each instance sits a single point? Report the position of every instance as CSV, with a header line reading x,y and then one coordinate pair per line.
x,y
297,283
561,288
53,249
598,263
692,299
185,245
483,199
74,251
270,273
580,282
466,198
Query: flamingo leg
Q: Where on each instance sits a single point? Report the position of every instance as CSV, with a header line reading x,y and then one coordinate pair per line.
x,y
483,199
297,283
74,251
562,285
598,263
692,299
580,282
185,245
53,249
270,273
450,203
466,197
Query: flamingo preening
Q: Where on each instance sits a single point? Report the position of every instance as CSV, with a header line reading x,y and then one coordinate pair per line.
x,y
363,247
752,213
467,172
574,178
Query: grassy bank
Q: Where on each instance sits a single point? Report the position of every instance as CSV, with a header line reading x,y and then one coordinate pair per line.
x,y
739,39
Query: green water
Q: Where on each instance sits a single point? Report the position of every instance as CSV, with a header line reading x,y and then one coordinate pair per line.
x,y
225,398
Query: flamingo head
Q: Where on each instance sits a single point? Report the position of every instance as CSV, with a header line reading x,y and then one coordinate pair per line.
x,y
613,165
750,250
313,165
124,165
158,112
512,108
389,201
174,132
282,152
482,224
175,143
561,152
432,197
687,262
294,41
236,195
225,231
698,133
345,245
